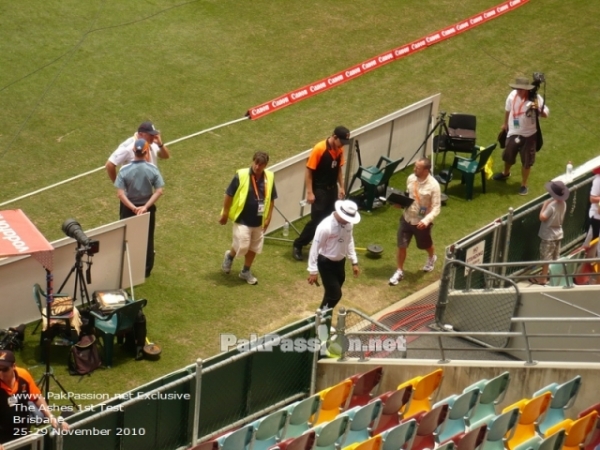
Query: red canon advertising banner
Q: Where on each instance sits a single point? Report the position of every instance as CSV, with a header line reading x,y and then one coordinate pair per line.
x,y
381,60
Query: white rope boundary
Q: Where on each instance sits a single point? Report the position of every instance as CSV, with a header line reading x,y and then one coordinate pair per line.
x,y
85,174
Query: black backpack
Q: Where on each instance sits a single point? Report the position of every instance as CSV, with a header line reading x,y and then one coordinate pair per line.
x,y
84,357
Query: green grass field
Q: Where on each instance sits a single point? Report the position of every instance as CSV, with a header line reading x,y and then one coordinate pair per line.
x,y
78,77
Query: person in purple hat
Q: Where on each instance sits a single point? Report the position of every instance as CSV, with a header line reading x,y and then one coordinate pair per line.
x,y
552,215
124,154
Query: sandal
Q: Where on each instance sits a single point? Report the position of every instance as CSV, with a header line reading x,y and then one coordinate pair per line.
x,y
535,281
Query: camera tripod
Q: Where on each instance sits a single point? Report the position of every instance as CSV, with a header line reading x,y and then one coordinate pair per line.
x,y
80,282
44,381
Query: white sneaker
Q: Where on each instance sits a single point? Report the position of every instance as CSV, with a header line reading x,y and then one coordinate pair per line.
x,y
250,279
396,278
429,265
227,262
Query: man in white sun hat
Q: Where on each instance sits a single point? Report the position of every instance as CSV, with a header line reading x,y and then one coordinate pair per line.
x,y
332,244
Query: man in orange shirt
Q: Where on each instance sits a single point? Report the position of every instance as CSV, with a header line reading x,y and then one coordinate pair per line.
x,y
17,392
324,181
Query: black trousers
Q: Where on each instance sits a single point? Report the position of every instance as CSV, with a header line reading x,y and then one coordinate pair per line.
x,y
323,206
333,275
124,213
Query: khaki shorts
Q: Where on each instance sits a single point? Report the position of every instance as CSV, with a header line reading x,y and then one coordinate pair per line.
x,y
549,250
247,239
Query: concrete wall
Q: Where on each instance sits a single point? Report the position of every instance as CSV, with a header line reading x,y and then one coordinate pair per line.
x,y
525,380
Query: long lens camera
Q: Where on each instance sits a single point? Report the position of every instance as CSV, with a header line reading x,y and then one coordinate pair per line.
x,y
72,229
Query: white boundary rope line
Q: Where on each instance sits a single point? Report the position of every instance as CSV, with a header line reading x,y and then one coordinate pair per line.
x,y
102,167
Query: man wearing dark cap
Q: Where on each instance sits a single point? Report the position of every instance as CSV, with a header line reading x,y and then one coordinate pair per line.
x,y
139,185
324,181
521,127
17,392
124,153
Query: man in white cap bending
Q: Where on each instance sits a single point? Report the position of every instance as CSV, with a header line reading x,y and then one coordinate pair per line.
x,y
332,244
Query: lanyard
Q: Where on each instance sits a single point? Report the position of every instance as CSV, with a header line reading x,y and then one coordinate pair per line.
x,y
256,188
416,192
519,112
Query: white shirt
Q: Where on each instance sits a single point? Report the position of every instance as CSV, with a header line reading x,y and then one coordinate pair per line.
x,y
124,154
517,109
333,241
595,191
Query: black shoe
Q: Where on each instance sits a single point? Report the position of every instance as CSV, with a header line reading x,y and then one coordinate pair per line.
x,y
297,253
139,353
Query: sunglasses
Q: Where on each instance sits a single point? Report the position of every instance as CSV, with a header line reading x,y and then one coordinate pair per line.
x,y
4,369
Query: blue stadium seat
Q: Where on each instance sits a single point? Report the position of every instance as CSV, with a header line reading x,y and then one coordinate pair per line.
x,y
363,420
563,397
492,393
460,406
301,415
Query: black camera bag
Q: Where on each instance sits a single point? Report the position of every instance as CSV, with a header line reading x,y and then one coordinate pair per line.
x,y
84,357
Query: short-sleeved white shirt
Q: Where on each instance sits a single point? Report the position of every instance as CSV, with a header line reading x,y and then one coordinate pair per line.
x,y
517,109
124,153
595,191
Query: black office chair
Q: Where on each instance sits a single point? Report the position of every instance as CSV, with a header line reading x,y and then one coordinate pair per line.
x,y
462,132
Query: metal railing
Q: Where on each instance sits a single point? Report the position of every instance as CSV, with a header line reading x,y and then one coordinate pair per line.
x,y
528,349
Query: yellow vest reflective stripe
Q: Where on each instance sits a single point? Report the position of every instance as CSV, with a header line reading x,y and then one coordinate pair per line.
x,y
239,199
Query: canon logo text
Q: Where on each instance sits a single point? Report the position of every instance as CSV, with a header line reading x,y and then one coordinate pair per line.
x,y
317,87
299,94
369,64
352,72
336,79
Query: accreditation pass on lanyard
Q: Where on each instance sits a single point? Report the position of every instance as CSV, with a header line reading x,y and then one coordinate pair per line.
x,y
261,203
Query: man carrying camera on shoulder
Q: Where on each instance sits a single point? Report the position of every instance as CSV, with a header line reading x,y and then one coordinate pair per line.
x,y
522,109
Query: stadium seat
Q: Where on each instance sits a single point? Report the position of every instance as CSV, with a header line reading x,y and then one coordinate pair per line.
x,y
208,445
553,441
594,440
423,390
373,443
431,422
531,411
363,420
500,429
392,404
472,439
305,441
563,397
239,439
399,437
460,406
269,430
333,401
577,432
492,393
332,435
450,445
301,415
364,386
